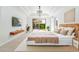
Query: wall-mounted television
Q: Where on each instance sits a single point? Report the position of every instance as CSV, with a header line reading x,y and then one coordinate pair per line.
x,y
15,22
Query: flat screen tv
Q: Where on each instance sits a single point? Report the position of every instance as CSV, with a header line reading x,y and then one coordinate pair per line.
x,y
15,22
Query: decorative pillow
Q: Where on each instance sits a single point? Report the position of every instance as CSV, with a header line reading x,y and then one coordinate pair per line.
x,y
73,34
64,32
57,30
70,31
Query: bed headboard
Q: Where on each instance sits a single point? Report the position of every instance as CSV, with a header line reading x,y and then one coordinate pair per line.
x,y
76,26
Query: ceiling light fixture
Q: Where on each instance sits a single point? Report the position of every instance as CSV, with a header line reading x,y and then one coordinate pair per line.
x,y
39,11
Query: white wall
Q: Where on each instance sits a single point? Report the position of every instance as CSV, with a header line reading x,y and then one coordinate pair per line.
x,y
6,14
48,22
0,26
29,22
52,24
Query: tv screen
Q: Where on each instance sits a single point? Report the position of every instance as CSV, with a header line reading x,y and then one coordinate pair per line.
x,y
15,22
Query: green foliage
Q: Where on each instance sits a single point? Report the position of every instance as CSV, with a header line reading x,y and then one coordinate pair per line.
x,y
47,27
42,26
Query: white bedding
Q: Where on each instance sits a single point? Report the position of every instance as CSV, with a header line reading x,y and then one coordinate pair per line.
x,y
63,39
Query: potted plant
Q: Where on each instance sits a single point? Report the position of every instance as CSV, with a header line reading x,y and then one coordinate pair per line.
x,y
48,28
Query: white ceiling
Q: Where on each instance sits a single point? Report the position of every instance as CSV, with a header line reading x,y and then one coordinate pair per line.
x,y
50,10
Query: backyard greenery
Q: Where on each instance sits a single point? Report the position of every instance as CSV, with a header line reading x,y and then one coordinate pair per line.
x,y
42,26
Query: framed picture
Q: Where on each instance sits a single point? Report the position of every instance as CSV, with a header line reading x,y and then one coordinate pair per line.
x,y
15,22
69,16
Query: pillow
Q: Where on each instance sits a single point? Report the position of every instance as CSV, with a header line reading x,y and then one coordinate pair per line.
x,y
70,31
57,30
73,34
64,32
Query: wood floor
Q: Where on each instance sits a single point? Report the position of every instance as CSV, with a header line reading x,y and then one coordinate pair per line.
x,y
19,45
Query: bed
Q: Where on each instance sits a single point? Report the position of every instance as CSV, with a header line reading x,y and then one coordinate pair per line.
x,y
48,38
52,38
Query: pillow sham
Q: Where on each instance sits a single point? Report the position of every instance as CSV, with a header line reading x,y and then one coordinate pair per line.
x,y
64,32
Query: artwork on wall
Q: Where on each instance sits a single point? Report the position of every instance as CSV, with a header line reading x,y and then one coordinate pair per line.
x,y
15,22
69,16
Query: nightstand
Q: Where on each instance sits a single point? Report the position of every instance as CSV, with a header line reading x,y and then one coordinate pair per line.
x,y
76,43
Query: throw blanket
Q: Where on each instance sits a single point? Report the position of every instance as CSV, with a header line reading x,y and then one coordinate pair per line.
x,y
44,38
